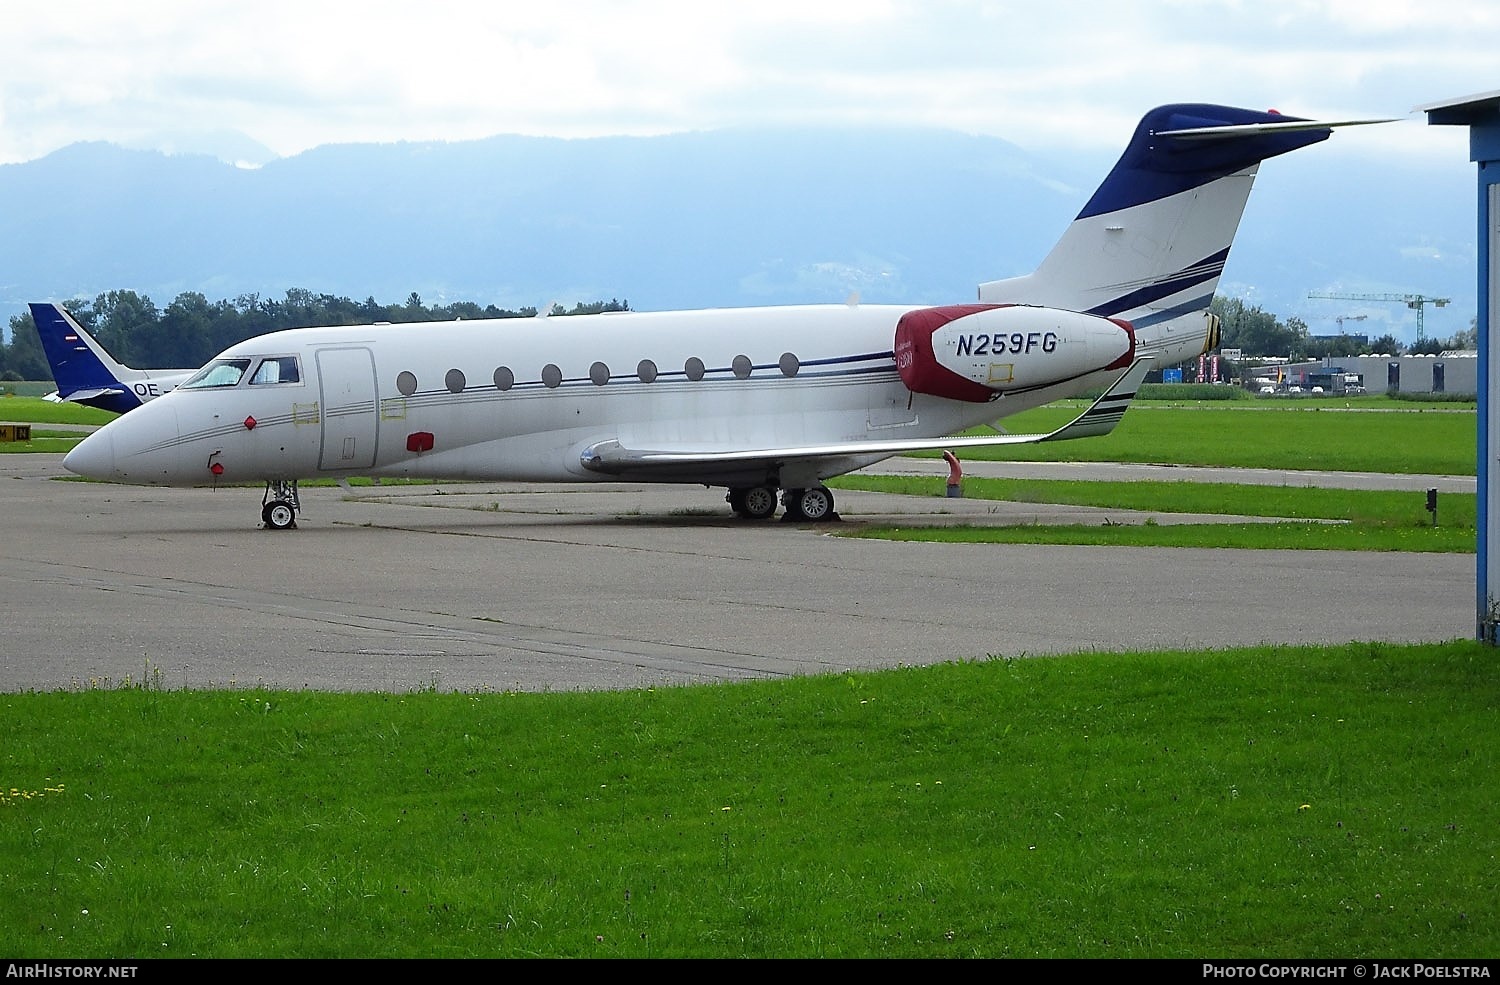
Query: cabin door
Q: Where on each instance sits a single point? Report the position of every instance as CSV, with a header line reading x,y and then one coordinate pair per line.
x,y
346,383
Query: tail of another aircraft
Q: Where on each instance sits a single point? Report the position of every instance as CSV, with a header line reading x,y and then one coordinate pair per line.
x,y
1150,245
86,374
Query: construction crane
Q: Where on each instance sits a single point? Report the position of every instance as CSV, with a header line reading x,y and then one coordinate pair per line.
x,y
1417,302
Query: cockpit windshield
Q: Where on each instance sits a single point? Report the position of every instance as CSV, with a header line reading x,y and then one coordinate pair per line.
x,y
223,373
219,373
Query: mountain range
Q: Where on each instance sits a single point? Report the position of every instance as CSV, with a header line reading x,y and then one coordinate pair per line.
x,y
705,219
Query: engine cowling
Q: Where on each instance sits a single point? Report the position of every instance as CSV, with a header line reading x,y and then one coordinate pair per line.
x,y
978,352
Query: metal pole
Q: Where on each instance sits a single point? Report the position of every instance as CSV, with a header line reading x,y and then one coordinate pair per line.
x,y
1481,114
1488,466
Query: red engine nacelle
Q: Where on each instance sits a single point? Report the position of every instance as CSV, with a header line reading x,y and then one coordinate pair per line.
x,y
977,352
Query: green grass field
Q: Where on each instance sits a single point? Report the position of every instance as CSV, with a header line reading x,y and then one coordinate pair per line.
x,y
1382,435
35,410
1314,518
1264,803
1429,439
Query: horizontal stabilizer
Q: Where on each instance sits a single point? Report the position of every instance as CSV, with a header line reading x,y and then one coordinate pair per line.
x,y
1244,129
85,395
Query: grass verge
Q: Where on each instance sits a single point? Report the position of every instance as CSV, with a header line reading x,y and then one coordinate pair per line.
x,y
1421,439
1364,520
1269,802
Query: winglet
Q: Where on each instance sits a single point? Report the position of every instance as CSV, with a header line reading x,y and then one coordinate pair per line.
x,y
1109,409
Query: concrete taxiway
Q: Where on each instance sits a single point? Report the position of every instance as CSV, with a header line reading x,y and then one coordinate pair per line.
x,y
480,586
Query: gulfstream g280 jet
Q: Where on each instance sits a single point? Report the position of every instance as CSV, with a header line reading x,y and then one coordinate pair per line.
x,y
764,402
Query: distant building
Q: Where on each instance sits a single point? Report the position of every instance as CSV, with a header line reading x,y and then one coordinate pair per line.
x,y
1448,372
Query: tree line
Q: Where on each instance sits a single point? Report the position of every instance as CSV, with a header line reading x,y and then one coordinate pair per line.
x,y
191,330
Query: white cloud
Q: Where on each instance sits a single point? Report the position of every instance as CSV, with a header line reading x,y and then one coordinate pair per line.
x,y
1067,74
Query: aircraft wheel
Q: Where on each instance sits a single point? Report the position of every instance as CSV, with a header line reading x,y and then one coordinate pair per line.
x,y
759,502
279,515
814,503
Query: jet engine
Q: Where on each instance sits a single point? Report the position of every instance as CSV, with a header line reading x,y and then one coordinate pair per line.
x,y
978,352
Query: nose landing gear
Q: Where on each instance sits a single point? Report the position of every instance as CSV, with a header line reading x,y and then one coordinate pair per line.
x,y
280,505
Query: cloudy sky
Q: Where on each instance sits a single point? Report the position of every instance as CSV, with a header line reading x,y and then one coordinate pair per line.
x,y
1049,76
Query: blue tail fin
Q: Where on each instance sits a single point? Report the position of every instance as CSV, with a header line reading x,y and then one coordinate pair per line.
x,y
86,374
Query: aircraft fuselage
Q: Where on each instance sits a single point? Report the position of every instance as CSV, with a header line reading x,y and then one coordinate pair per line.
x,y
521,399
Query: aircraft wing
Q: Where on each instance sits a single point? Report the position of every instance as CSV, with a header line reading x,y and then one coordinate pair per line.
x,y
1100,418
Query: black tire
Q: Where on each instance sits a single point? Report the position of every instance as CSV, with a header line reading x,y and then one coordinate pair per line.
x,y
759,502
815,503
279,515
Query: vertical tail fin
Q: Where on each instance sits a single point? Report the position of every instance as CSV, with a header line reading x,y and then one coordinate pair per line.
x,y
1151,243
87,374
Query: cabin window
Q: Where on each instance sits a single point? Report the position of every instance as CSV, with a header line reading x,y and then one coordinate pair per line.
x,y
789,364
406,383
742,367
694,369
504,378
219,373
454,381
599,373
646,370
551,376
276,369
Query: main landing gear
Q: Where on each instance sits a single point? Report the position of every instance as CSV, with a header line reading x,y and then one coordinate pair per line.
x,y
280,505
811,505
754,503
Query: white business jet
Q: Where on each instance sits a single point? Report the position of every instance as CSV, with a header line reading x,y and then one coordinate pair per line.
x,y
87,374
765,402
